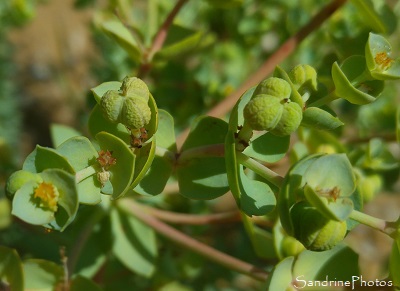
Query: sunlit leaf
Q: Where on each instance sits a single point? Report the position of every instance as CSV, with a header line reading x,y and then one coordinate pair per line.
x,y
281,276
134,243
268,148
101,89
318,118
42,275
60,133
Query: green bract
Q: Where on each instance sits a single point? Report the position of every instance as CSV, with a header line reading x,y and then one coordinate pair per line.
x,y
379,61
313,230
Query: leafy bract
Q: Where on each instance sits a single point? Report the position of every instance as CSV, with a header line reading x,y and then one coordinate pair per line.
x,y
60,133
203,176
162,166
121,35
122,172
379,61
318,118
42,275
353,83
134,243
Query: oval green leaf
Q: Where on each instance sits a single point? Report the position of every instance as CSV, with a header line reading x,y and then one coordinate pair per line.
x,y
318,118
42,275
268,148
11,269
60,133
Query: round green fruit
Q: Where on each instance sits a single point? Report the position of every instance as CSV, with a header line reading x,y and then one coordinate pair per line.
x,y
276,87
315,231
18,179
290,120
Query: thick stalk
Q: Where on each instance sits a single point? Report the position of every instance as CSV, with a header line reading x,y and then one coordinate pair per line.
x,y
387,227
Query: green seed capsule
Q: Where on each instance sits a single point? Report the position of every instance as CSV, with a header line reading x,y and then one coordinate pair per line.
x,y
315,231
18,179
276,87
129,107
304,77
290,120
263,112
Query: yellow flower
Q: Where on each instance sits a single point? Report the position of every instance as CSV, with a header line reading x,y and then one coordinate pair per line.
x,y
48,195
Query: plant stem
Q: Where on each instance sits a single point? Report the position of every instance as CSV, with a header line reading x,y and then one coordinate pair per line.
x,y
162,33
324,100
269,65
193,219
260,169
387,227
132,208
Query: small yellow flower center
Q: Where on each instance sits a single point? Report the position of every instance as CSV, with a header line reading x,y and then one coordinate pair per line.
x,y
48,195
383,60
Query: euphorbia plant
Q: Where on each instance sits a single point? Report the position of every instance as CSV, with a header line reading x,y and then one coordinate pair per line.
x,y
132,156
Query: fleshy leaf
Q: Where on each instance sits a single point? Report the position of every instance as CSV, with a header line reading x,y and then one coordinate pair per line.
x,y
11,269
118,32
180,40
379,61
134,243
281,276
268,148
256,197
318,118
203,177
42,274
154,181
331,173
43,158
291,190
79,283
339,210
122,172
60,133
101,89
346,84
81,154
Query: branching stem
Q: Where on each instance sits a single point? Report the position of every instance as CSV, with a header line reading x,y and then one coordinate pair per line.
x,y
387,227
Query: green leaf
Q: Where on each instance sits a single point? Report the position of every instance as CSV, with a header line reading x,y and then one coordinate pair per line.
x,y
134,243
80,283
379,61
68,199
331,172
81,154
60,133
101,89
97,123
339,210
180,40
318,118
256,197
43,158
339,264
268,148
281,276
122,172
262,240
291,190
377,15
203,177
394,263
42,275
11,269
121,35
352,81
156,178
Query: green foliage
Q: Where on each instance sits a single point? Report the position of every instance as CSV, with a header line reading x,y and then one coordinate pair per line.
x,y
104,196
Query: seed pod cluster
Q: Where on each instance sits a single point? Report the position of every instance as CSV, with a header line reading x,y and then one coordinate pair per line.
x,y
271,109
129,105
